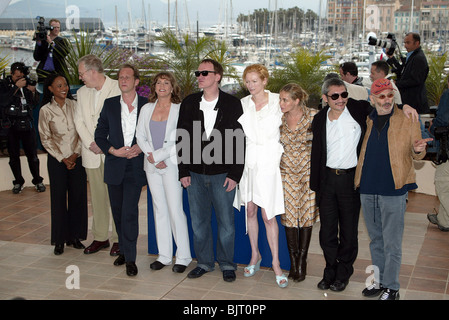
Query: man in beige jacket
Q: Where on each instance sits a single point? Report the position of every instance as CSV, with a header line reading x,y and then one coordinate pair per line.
x,y
98,87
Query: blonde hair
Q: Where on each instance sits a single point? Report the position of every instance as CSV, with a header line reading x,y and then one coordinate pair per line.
x,y
297,92
257,68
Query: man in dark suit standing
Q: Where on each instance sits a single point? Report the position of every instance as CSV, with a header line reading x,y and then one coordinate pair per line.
x,y
412,74
123,169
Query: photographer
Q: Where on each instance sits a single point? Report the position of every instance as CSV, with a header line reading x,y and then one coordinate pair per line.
x,y
18,95
441,121
412,73
50,49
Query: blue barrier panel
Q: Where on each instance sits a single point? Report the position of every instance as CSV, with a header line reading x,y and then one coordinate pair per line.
x,y
242,251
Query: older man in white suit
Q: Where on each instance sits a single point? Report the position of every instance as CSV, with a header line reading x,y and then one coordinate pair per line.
x,y
98,87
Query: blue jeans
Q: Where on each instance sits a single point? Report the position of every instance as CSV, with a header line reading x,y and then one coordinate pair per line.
x,y
204,192
384,218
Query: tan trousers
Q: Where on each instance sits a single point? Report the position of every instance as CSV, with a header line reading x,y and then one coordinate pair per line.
x,y
101,209
442,189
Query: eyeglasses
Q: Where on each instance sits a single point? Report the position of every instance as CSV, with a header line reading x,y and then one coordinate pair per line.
x,y
383,96
203,73
81,74
335,96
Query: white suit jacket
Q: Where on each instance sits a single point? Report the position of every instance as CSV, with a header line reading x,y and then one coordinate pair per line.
x,y
168,151
86,118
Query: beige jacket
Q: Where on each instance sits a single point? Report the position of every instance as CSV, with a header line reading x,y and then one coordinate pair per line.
x,y
402,133
86,118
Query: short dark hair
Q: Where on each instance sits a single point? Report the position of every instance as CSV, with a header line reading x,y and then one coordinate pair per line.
x,y
332,82
350,67
381,66
218,68
415,36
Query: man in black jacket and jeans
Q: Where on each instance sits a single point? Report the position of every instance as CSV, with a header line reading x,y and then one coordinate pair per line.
x,y
412,74
211,147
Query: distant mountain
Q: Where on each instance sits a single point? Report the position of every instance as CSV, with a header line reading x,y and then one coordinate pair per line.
x,y
33,8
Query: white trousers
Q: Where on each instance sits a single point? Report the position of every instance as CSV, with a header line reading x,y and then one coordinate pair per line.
x,y
169,217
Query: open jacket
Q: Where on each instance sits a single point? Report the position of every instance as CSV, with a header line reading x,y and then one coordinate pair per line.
x,y
402,133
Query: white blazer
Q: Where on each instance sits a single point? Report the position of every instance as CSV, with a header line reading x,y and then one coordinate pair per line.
x,y
86,118
168,151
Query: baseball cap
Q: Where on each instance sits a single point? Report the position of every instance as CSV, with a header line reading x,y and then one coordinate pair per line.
x,y
380,85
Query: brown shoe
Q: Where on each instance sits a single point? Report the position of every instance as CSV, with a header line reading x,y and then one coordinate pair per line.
x,y
96,246
115,249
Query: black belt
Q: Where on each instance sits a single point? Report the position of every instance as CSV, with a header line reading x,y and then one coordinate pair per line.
x,y
340,171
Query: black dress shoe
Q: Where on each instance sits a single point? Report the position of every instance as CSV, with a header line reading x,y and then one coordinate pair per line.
x,y
339,285
157,265
179,268
59,249
120,260
131,268
229,275
96,246
196,273
76,244
323,284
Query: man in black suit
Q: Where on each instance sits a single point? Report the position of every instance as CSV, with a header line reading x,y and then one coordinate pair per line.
x,y
123,168
412,74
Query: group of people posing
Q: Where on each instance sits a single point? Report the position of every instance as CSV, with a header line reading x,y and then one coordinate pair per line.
x,y
281,156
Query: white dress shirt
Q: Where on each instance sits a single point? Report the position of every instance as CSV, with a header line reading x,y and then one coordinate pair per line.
x,y
129,121
342,136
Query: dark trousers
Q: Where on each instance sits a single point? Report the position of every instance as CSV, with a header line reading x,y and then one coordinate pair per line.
x,y
124,199
68,197
339,218
29,144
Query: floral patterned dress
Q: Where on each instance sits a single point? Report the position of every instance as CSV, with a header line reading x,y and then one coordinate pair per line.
x,y
300,207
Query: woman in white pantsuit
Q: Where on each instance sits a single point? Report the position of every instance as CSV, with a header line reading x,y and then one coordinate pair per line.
x,y
156,136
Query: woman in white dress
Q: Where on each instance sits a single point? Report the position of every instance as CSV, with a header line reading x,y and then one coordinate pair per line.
x,y
156,136
261,183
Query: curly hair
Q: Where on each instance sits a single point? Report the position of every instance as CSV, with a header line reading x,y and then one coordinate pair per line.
x,y
47,95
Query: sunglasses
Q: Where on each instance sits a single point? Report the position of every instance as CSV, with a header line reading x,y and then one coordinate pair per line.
x,y
383,96
335,96
203,73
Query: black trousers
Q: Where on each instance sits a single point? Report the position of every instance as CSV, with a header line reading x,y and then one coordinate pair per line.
x,y
28,139
339,219
124,199
68,197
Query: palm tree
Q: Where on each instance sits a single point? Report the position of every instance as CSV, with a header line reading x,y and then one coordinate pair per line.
x,y
85,44
183,57
436,81
302,67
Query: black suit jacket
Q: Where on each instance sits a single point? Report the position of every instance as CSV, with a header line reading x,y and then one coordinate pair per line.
x,y
359,110
412,81
109,134
229,111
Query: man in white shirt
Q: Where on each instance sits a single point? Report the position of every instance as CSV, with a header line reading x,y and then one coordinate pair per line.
x,y
123,167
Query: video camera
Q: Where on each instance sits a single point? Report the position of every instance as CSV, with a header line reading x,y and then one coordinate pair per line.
x,y
41,30
442,134
389,44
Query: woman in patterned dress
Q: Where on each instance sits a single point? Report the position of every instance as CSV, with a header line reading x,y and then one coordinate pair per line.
x,y
301,211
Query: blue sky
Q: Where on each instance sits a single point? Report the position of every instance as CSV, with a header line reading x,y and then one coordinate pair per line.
x,y
207,12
